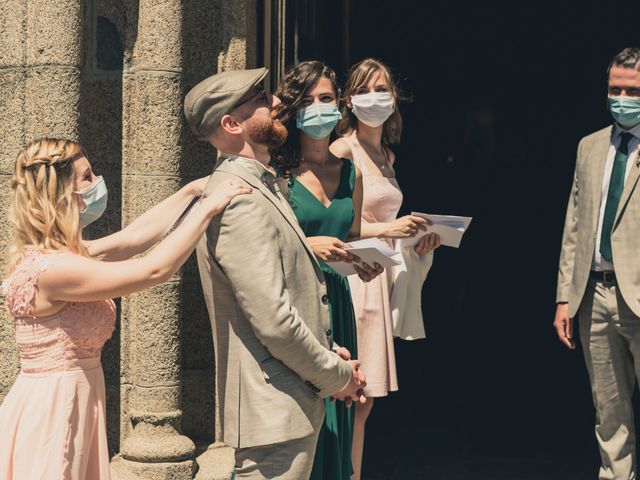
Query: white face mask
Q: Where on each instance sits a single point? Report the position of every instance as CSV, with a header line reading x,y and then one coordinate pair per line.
x,y
373,108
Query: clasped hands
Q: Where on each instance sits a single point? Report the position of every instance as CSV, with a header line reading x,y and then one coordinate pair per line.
x,y
354,391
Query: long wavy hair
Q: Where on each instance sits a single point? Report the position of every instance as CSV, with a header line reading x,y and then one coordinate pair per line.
x,y
298,80
44,212
360,75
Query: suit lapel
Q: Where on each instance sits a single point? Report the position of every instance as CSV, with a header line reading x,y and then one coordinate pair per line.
x,y
286,211
598,159
629,184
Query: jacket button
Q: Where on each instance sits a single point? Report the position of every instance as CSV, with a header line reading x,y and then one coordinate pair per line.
x,y
325,299
329,332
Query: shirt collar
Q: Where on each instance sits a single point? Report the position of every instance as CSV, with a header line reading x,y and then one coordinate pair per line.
x,y
253,166
635,131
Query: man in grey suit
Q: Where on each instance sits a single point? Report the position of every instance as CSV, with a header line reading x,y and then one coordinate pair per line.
x,y
265,292
599,274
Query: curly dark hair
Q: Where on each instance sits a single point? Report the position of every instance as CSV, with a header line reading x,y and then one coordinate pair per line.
x,y
298,80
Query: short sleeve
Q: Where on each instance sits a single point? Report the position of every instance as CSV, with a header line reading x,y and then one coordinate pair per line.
x,y
21,286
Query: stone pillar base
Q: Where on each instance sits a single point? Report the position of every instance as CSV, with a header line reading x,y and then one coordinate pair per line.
x,y
122,469
215,463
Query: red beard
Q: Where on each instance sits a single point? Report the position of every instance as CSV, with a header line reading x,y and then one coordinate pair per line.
x,y
266,131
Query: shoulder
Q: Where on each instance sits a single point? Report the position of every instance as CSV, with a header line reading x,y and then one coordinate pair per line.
x,y
341,149
602,135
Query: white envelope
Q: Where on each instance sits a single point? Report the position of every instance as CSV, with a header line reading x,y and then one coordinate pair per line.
x,y
370,251
451,228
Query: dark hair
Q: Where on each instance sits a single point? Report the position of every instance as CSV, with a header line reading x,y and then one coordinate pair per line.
x,y
627,58
360,75
296,83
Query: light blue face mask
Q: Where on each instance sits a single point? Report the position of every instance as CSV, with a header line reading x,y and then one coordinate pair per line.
x,y
625,110
95,201
318,120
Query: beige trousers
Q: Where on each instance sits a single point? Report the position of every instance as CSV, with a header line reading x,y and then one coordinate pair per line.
x,y
610,337
291,460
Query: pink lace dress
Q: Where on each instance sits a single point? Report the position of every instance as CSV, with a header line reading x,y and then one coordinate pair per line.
x,y
381,202
52,422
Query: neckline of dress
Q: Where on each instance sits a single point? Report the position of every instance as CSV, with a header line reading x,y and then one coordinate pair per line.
x,y
335,195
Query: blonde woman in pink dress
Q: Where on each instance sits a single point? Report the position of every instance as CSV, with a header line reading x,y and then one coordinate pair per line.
x,y
371,122
52,422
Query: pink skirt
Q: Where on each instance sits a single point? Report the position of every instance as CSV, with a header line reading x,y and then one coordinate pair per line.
x,y
53,425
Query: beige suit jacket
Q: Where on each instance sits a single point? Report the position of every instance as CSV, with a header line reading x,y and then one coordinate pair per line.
x,y
581,226
266,298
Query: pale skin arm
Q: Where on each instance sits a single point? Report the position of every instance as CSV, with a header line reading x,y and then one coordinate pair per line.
x,y
148,229
81,279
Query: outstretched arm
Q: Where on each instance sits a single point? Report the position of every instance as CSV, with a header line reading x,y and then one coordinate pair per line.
x,y
148,229
82,279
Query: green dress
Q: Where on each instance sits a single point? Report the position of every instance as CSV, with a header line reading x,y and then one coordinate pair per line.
x,y
333,453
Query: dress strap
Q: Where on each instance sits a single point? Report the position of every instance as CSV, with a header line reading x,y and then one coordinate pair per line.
x,y
354,152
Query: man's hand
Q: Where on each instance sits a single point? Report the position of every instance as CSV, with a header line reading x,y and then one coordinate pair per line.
x,y
564,325
354,389
343,353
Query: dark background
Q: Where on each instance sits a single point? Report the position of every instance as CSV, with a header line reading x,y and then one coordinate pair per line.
x,y
501,94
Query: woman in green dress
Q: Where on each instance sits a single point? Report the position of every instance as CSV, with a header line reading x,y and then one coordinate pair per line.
x,y
325,193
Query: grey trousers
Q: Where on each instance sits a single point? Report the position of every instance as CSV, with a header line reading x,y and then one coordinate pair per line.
x,y
610,337
291,460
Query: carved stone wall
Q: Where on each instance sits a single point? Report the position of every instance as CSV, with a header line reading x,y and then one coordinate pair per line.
x,y
112,74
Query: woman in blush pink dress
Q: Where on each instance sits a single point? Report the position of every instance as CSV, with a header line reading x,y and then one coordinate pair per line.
x,y
52,422
371,122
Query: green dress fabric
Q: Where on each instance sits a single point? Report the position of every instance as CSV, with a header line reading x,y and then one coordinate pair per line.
x,y
333,453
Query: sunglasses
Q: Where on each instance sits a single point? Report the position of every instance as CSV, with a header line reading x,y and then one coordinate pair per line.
x,y
256,93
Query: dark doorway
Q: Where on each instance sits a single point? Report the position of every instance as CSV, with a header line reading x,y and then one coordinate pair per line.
x,y
501,94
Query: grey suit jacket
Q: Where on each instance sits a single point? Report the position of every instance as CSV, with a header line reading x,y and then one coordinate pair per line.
x,y
581,226
266,298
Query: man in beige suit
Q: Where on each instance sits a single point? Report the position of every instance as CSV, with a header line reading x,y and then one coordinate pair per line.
x,y
265,292
599,274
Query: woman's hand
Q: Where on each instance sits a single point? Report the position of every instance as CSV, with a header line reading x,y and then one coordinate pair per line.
x,y
331,249
195,188
218,200
405,227
429,242
366,273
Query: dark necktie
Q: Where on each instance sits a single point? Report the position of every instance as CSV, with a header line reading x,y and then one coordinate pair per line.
x,y
616,185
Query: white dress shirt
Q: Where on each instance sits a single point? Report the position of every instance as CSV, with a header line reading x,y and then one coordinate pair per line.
x,y
600,264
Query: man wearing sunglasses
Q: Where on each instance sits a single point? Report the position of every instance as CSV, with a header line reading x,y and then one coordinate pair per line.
x,y
264,290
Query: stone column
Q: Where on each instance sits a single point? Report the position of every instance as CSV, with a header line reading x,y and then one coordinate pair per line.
x,y
152,447
40,65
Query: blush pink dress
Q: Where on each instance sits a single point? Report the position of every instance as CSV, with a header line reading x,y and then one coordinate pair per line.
x,y
52,422
381,202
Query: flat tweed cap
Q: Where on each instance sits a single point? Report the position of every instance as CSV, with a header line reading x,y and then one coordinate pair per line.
x,y
214,97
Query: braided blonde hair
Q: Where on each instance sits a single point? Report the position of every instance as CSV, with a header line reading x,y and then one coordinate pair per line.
x,y
44,212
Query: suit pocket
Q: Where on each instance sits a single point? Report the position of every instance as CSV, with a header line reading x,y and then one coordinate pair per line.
x,y
272,368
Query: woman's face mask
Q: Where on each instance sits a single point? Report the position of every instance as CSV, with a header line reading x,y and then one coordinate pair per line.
x,y
318,119
373,108
95,201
